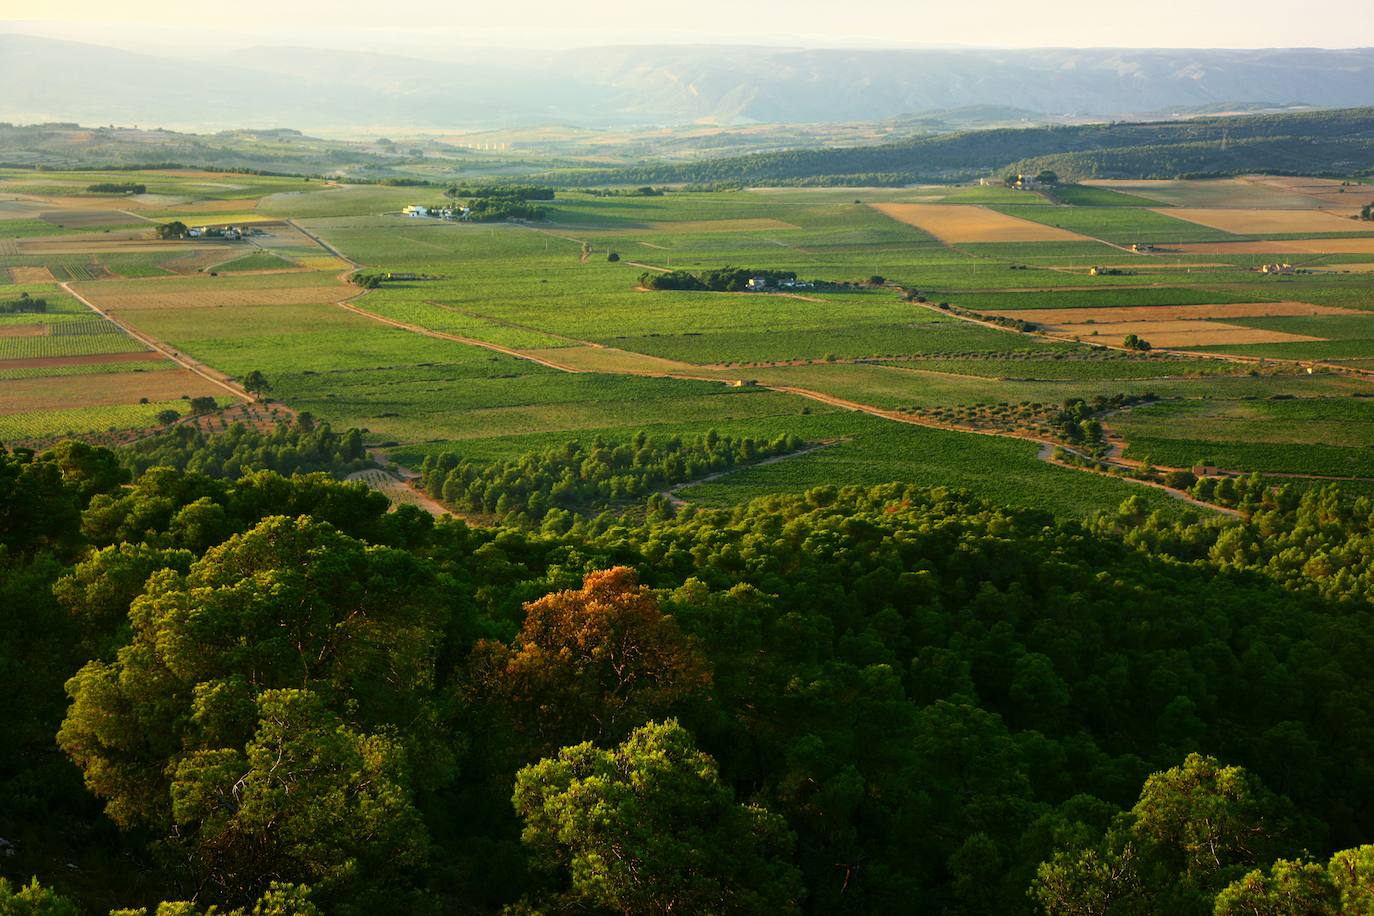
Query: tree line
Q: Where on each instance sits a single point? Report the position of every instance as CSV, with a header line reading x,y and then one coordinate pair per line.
x,y
300,446
552,487
721,280
25,304
117,187
271,693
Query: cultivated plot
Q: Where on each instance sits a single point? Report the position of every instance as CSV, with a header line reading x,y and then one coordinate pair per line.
x,y
956,224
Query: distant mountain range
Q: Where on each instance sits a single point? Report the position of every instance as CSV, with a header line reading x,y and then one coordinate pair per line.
x,y
46,79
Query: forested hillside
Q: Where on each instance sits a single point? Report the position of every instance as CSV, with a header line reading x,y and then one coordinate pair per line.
x,y
270,692
1311,142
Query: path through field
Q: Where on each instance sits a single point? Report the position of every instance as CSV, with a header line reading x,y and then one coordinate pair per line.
x,y
1045,452
678,502
214,376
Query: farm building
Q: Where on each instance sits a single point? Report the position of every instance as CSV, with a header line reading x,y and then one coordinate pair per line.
x,y
416,210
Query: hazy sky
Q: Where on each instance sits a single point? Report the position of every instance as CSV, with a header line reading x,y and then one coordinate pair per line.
x,y
427,25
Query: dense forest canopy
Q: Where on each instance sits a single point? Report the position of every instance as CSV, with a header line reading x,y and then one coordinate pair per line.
x,y
282,697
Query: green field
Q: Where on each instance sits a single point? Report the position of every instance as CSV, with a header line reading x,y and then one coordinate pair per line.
x,y
1120,225
1326,436
567,289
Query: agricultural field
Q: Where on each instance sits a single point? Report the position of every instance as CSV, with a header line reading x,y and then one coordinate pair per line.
x,y
956,225
932,334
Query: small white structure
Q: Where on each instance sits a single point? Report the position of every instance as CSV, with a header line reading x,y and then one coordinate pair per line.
x,y
416,210
758,283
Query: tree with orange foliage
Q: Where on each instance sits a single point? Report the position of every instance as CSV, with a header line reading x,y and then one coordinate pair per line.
x,y
590,663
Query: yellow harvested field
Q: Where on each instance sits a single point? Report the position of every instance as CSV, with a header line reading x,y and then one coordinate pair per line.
x,y
958,223
23,330
1294,246
109,297
1266,222
60,392
1061,318
1177,333
1365,268
322,262
31,275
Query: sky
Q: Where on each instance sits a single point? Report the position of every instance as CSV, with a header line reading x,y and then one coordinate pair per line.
x,y
428,27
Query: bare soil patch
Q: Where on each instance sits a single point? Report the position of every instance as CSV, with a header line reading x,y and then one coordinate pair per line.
x,y
959,223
